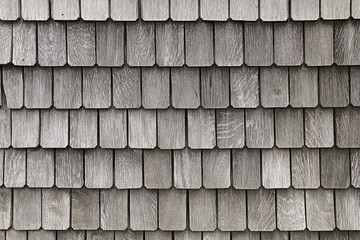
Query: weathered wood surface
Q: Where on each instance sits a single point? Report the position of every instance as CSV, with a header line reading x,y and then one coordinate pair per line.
x,y
355,167
54,128
259,128
128,168
346,202
142,128
289,128
155,88
37,87
35,10
5,127
2,157
216,235
55,209
12,234
305,168
113,209
244,10
65,9
215,87
202,210
230,128
94,10
9,10
303,84
246,168
275,235
354,85
71,235
113,128
276,168
245,235
5,41
274,87
83,128
201,129
216,168
13,86
25,128
126,10
274,10
187,235
24,43
143,209
156,10
5,208
27,209
157,163
334,235
187,169
335,168
319,129
346,42
126,87
171,128
100,235
96,87
184,10
158,235
346,127
69,167
41,235
214,10
40,168
98,168
85,209
129,235
305,10
304,235
335,9
15,168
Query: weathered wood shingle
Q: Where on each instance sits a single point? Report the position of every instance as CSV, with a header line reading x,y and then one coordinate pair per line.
x,y
54,128
113,209
35,10
215,87
346,41
319,128
259,128
305,10
5,207
230,128
24,43
274,10
65,9
275,168
113,128
142,128
216,168
184,10
335,168
156,10
335,9
157,163
83,128
346,202
40,168
25,128
187,169
5,42
202,210
94,10
9,10
244,10
346,127
155,88
274,87
126,10
143,209
96,87
13,86
246,172
128,168
55,209
171,128
27,209
172,209
289,128
14,168
69,166
98,168
201,129
305,168
214,10
85,209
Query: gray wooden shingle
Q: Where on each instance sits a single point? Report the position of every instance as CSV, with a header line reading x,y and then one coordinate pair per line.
x,y
354,86
216,168
353,235
246,168
129,235
5,42
346,201
94,10
100,234
171,128
289,128
85,209
258,43
245,235
55,209
230,128
113,209
157,163
187,235
319,128
40,168
65,9
301,235
143,209
96,87
5,208
275,168
355,167
215,87
25,128
158,235
335,9
81,43
14,168
275,235
41,235
274,89
83,128
37,87
155,88
214,10
124,10
155,10
126,87
142,128
9,10
140,40
24,43
355,9
305,10
335,168
27,209
12,234
113,128
202,210
5,127
334,235
244,10
13,86
187,169
2,156
128,168
199,42
201,128
54,128
216,235
69,167
35,10
184,10
346,42
259,124
346,125
274,10
305,168
71,235
98,168
172,209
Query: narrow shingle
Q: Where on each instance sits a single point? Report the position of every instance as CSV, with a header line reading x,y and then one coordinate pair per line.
x,y
157,163
275,165
216,168
171,128
335,9
202,210
69,167
27,209
2,156
319,128
355,10
354,86
246,172
244,10
289,128
24,43
230,128
155,88
35,10
100,234
355,167
126,87
346,201
215,87
9,10
96,87
335,168
65,9
305,168
25,128
14,168
334,86
113,209
5,127
13,86
55,209
128,168
40,168
83,128
305,10
124,10
214,10
274,10
85,209
98,168
187,169
274,87
346,127
54,128
113,128
346,41
184,10
5,42
5,208
95,10
142,128
259,124
201,128
155,10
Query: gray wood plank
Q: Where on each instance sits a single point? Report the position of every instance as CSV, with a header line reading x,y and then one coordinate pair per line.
x,y
156,10
346,42
14,168
113,209
334,86
12,234
346,202
129,235
305,168
54,128
184,10
258,43
69,168
94,10
170,44
201,129
67,88
199,42
320,213
355,10
140,40
216,235
81,43
9,10
85,209
2,157
274,10
71,235
5,42
40,168
128,168
55,209
65,10
334,235
113,128
202,210
100,235
214,10
319,129
261,210
215,87
96,87
304,235
246,168
157,163
143,209
230,128
51,39
41,235
187,169
155,88
124,10
25,128
158,235
171,128
5,208
274,87
187,235
259,124
354,85
355,167
335,168
142,128
37,87
5,127
27,209
244,10
319,43
83,128
245,235
35,10
231,210
244,87
185,87
13,86
98,168
172,209
353,235
216,168
335,9
126,87
305,10
24,43
275,168
110,40
275,235
346,125
289,128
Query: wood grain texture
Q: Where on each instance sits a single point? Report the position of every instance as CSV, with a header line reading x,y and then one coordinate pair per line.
x,y
305,168
202,210
9,10
172,209
274,10
85,209
335,9
2,157
81,43
187,169
187,235
142,128
83,128
185,87
230,128
12,234
320,213
25,128
41,235
71,235
289,128
113,128
126,87
140,48
65,9
94,10
319,129
157,163
245,235
170,40
143,209
334,86
355,167
303,84
355,10
305,10
156,10
246,168
158,235
244,10
184,10
216,235
128,168
5,208
13,86
54,128
113,209
96,87
346,124
354,85
199,42
346,201
14,168
100,235
258,43
261,210
334,235
214,10
51,39
274,87
5,127
275,235
319,45
124,10
37,87
67,88
171,128
276,168
353,235
110,39
231,209
129,235
69,168
155,88
304,235
24,43
98,168
216,168
335,168
201,129
35,10
5,42
27,209
346,42
259,128
55,209
215,87
40,168
244,87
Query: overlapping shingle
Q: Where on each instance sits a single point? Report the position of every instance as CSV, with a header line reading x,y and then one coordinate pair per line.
x,y
202,210
172,209
184,10
96,87
24,43
187,169
171,128
274,10
65,9
335,9
94,10
305,168
275,168
69,167
246,172
27,209
85,209
143,209
55,209
40,168
83,128
155,88
128,168
215,87
156,10
5,41
157,163
36,10
98,168
305,10
9,10
126,10
246,10
114,209
214,10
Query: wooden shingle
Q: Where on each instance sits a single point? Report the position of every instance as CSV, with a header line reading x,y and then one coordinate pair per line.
x,y
157,163
128,168
27,209
187,235
244,10
69,166
274,89
305,168
94,10
71,235
216,235
319,128
289,128
65,9
335,9
346,201
184,10
171,128
275,168
215,87
275,235
5,207
14,168
96,87
35,10
100,234
25,128
24,43
83,128
354,86
246,168
155,88
2,156
112,128
9,10
98,168
54,128
187,169
125,10
300,235
259,124
230,128
274,10
214,10
346,42
129,235
158,235
353,235
355,167
305,10
41,235
346,127
12,234
85,209
142,128
202,210
5,127
113,209
55,209
13,86
245,235
216,168
156,10
201,128
40,168
334,235
5,42
335,168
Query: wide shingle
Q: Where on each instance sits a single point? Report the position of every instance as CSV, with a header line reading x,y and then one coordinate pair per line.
x,y
230,128
41,235
201,128
346,42
65,9
289,128
171,128
55,209
244,10
319,128
35,10
155,88
5,207
300,235
24,43
346,125
128,168
142,128
27,209
14,168
305,10
335,9
96,87
216,168
335,168
202,210
274,87
156,10
214,10
54,128
69,167
114,209
274,10
216,235
94,10
83,128
5,42
13,86
259,128
275,168
246,172
187,169
9,10
40,168
112,128
71,235
157,163
25,128
85,209
346,202
126,10
98,168
184,10
215,87
305,168
334,86
12,234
